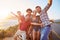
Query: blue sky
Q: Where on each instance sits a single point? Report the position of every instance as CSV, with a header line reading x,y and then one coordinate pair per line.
x,y
6,6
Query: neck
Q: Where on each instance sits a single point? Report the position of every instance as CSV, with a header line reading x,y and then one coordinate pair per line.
x,y
29,14
39,12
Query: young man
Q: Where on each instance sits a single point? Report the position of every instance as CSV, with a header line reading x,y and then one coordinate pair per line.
x,y
23,25
45,20
28,11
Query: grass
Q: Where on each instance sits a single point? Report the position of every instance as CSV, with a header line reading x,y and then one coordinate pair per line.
x,y
9,32
57,22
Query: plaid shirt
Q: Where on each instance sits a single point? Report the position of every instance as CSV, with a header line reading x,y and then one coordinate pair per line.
x,y
44,17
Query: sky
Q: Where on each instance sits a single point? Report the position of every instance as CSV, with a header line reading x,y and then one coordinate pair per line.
x,y
7,6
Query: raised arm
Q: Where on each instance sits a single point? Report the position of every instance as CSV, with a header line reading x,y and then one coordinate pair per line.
x,y
51,21
50,2
14,14
48,5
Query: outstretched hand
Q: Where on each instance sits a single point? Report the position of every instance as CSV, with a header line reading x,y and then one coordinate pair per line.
x,y
50,2
14,14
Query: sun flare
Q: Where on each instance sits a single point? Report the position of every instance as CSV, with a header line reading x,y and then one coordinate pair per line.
x,y
3,14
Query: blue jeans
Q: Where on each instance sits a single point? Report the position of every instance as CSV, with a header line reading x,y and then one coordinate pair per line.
x,y
45,32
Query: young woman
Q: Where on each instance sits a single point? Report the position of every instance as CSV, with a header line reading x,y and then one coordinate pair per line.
x,y
36,24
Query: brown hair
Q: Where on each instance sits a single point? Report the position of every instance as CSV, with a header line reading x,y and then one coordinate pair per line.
x,y
29,10
38,7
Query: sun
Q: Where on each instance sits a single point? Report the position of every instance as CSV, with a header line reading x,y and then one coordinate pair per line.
x,y
3,14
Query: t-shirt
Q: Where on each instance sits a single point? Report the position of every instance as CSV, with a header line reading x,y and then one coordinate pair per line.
x,y
24,25
37,20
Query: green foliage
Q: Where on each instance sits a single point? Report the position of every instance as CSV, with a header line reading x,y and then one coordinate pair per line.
x,y
57,22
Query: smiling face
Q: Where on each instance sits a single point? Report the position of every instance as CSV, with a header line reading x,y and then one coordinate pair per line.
x,y
38,9
18,12
29,11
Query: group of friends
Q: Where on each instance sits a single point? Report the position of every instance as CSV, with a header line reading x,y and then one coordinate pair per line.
x,y
36,26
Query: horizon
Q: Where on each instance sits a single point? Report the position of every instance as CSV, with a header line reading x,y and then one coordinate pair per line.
x,y
7,6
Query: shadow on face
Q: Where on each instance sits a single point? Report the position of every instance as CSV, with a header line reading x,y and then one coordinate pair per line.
x,y
29,11
38,9
18,12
